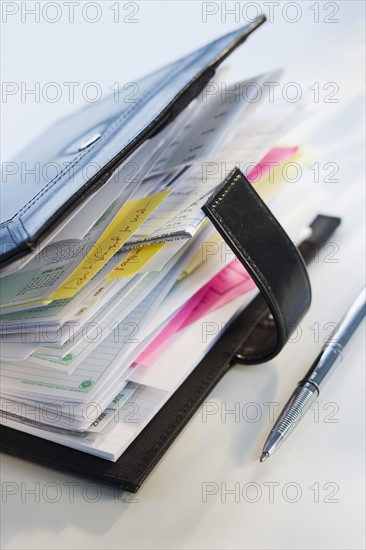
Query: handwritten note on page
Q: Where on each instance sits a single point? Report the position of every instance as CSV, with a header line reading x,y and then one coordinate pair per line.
x,y
127,221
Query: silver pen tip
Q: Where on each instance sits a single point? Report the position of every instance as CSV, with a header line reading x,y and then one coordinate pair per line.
x,y
263,457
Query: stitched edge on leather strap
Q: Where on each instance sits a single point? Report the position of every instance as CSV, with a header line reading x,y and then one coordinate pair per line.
x,y
284,283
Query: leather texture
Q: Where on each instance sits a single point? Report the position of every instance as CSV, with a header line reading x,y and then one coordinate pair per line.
x,y
33,205
132,468
266,251
258,324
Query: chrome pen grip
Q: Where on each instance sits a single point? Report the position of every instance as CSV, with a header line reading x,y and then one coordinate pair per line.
x,y
299,403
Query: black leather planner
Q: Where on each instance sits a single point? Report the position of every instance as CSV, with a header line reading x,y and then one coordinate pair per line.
x,y
250,338
106,134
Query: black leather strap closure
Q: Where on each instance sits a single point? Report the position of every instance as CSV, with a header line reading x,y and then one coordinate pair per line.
x,y
272,260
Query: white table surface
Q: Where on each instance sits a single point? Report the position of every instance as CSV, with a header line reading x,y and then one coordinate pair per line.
x,y
310,494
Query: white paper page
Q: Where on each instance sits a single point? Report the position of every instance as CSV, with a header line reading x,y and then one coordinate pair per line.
x,y
75,352
46,416
132,418
112,318
97,369
192,343
63,413
214,118
15,352
87,325
148,400
86,379
197,183
59,311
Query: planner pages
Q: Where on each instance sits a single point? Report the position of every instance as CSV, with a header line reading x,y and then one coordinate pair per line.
x,y
102,324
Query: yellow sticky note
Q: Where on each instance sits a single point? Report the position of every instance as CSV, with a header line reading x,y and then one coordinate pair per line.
x,y
135,261
125,224
267,188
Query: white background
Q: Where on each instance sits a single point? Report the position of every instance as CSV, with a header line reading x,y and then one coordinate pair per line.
x,y
170,510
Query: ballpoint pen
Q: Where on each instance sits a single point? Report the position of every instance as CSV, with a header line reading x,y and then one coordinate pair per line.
x,y
308,389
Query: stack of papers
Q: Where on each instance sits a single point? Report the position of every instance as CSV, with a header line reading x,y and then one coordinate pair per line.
x,y
91,324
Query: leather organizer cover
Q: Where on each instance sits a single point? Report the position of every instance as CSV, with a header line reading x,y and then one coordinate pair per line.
x,y
32,206
31,213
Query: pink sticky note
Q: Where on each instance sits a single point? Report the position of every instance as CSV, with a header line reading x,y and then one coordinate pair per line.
x,y
148,356
228,284
275,157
